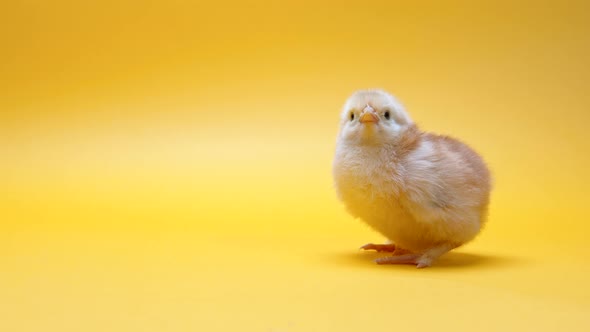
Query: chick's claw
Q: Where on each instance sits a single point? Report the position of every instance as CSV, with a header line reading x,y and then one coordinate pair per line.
x,y
379,247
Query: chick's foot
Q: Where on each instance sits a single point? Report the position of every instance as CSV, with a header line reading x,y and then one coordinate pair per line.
x,y
379,247
392,248
399,259
420,260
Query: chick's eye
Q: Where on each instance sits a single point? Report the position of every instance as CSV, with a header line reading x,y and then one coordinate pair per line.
x,y
386,115
351,116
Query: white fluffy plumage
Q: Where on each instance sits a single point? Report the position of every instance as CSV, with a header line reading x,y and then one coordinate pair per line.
x,y
426,193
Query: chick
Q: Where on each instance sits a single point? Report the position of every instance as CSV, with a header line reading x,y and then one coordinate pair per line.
x,y
426,193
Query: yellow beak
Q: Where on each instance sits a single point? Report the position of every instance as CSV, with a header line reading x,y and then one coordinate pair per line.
x,y
369,117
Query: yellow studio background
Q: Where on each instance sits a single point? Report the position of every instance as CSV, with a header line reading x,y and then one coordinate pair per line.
x,y
166,165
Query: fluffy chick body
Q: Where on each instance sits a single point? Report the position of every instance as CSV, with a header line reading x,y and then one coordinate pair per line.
x,y
426,193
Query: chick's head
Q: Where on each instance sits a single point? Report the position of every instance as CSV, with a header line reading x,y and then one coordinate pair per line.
x,y
373,117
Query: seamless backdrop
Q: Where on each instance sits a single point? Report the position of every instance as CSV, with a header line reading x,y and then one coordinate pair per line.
x,y
166,165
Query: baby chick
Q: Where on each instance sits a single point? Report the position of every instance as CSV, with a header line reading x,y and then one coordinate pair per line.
x,y
426,193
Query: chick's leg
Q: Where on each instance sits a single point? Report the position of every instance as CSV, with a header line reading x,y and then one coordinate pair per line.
x,y
431,254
